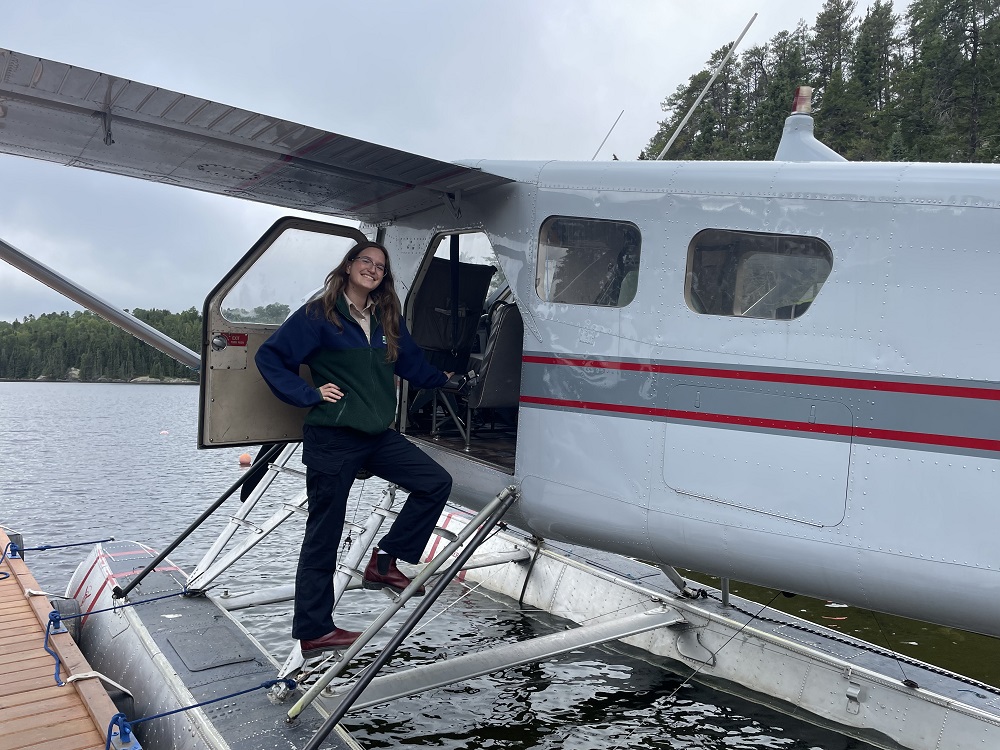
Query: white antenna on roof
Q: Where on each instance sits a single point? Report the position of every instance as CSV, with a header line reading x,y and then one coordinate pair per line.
x,y
707,87
607,136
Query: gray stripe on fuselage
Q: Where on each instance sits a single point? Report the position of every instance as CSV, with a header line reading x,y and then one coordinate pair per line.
x,y
929,414
864,377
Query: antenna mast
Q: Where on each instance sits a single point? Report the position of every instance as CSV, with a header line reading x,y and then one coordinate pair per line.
x,y
707,87
607,136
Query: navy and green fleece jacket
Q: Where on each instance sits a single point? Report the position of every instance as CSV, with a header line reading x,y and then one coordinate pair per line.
x,y
345,358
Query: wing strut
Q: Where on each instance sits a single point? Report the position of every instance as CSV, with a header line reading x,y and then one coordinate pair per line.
x,y
126,321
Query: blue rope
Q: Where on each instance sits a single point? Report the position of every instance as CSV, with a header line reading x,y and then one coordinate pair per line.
x,y
119,606
55,624
124,726
44,547
14,551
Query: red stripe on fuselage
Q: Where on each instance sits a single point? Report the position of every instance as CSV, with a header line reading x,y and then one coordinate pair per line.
x,y
825,381
898,436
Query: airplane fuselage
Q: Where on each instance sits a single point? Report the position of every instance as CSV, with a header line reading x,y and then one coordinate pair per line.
x,y
849,452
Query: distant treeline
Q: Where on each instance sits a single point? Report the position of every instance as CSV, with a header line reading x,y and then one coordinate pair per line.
x,y
921,86
53,343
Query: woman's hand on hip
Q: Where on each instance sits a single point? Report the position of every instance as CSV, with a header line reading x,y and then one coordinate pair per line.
x,y
330,392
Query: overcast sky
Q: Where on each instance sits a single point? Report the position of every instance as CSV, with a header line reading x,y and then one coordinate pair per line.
x,y
510,79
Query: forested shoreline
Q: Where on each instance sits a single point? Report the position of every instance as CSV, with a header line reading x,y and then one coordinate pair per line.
x,y
54,345
921,85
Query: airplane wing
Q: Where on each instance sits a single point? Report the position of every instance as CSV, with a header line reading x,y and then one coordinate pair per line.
x,y
78,117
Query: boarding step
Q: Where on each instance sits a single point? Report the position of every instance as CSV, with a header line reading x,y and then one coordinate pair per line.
x,y
287,470
390,514
384,512
446,672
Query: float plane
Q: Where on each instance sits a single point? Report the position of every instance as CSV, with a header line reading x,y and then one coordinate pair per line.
x,y
778,372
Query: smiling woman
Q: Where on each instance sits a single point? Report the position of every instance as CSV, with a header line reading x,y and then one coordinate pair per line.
x,y
355,344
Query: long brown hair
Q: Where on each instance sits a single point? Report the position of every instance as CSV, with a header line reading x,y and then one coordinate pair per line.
x,y
383,297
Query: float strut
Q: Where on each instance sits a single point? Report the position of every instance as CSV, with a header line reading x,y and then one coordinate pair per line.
x,y
121,593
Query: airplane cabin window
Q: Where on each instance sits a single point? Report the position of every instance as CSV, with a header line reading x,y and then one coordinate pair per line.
x,y
754,274
587,261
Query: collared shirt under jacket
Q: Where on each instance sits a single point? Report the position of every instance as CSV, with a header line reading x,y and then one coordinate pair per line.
x,y
346,358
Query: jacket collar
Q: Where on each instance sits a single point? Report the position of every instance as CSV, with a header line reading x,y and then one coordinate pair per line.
x,y
345,312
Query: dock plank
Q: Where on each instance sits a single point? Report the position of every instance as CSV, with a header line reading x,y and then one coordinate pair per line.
x,y
22,642
27,670
28,708
76,742
50,693
6,660
20,618
29,724
42,734
37,713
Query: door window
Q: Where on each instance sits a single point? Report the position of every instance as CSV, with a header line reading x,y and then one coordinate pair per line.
x,y
285,277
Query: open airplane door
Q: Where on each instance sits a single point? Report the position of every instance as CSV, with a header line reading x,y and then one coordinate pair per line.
x,y
282,270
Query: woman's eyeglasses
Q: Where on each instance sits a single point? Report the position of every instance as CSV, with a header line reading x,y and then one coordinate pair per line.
x,y
369,263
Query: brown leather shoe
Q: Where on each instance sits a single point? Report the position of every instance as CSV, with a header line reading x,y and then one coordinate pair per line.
x,y
394,579
335,640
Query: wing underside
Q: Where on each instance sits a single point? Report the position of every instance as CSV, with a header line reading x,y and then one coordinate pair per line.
x,y
78,117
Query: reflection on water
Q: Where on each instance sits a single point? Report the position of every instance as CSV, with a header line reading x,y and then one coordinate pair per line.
x,y
88,461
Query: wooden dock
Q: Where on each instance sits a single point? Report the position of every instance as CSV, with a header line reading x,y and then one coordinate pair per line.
x,y
35,712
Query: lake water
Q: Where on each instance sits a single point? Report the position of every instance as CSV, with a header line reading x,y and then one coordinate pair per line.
x,y
89,461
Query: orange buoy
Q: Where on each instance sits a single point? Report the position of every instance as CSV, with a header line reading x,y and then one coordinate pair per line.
x,y
245,459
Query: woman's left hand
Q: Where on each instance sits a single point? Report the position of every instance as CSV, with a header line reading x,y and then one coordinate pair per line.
x,y
330,392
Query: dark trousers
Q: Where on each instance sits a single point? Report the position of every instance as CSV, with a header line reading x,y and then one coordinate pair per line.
x,y
333,456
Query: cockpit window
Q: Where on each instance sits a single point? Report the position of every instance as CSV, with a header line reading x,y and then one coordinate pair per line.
x,y
754,274
587,262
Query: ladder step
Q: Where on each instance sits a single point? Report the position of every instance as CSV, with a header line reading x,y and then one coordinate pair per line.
x,y
244,524
287,470
440,673
392,515
445,534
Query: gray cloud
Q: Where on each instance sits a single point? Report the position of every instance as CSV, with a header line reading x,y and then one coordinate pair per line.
x,y
445,78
